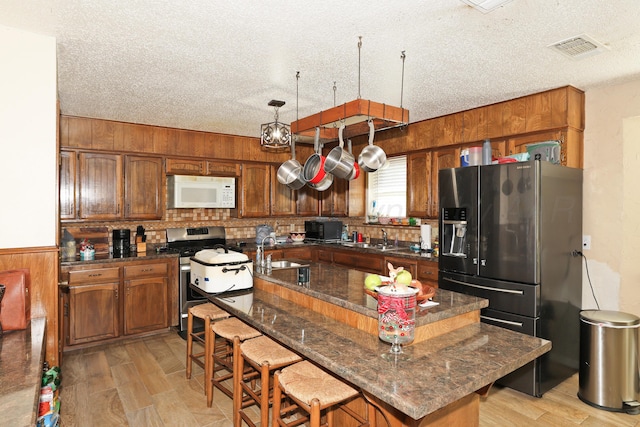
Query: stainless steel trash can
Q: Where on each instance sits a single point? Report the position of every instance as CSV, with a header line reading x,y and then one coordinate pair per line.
x,y
608,374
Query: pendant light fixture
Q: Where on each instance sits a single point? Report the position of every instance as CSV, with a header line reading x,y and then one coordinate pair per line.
x,y
275,134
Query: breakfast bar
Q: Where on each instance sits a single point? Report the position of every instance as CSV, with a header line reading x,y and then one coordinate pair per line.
x,y
328,321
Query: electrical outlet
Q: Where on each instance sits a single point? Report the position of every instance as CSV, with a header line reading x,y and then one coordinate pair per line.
x,y
586,242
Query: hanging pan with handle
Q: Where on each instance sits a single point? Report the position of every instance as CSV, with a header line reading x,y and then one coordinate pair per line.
x,y
339,162
313,170
355,172
290,172
371,157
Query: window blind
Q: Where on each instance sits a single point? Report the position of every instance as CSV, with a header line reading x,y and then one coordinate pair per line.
x,y
388,188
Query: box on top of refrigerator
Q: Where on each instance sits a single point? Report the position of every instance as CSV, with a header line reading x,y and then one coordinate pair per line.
x,y
221,270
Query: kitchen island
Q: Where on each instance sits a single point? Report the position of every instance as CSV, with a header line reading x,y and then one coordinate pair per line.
x,y
437,386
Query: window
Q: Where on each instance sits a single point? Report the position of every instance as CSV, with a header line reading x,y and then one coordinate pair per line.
x,y
388,188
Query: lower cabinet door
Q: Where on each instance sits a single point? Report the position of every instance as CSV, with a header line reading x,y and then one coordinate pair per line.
x,y
93,313
145,305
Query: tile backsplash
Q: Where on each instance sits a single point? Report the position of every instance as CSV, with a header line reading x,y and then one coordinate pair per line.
x,y
245,229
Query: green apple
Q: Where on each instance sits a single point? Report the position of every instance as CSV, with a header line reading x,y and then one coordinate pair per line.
x,y
404,278
372,281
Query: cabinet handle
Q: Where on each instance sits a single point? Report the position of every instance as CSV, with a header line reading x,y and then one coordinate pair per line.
x,y
116,293
95,275
146,270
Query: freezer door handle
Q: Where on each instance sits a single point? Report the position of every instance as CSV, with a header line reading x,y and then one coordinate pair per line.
x,y
487,288
506,322
475,261
483,262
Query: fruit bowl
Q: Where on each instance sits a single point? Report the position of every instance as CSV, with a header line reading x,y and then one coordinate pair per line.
x,y
297,237
426,293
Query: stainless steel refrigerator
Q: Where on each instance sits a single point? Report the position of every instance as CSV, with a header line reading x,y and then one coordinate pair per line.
x,y
510,233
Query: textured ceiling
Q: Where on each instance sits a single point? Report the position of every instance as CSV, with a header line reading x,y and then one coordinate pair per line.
x,y
214,65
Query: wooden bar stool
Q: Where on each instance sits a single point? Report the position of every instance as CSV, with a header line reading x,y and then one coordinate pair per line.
x,y
207,312
263,356
314,391
221,353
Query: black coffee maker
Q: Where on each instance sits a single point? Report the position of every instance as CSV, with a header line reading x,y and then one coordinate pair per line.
x,y
121,243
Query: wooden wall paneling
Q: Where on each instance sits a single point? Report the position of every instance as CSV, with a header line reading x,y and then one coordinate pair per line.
x,y
137,138
190,143
79,135
104,134
424,134
457,129
473,124
63,130
573,155
160,138
494,121
538,112
42,263
575,101
514,117
173,140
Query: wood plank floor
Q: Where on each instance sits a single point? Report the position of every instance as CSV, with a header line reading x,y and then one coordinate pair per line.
x,y
141,382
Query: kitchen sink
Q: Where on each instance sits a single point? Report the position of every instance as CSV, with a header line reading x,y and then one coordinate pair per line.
x,y
283,264
378,247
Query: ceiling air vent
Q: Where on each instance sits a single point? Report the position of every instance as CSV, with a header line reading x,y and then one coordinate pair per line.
x,y
578,47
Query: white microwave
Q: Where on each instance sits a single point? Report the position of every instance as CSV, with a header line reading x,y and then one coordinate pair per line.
x,y
185,191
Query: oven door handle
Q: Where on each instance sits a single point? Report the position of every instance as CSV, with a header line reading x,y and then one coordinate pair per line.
x,y
487,288
506,322
185,267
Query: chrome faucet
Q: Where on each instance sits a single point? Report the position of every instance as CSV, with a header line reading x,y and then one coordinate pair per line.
x,y
260,258
384,238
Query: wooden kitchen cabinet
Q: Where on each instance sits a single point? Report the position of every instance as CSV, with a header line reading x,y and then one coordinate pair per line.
x,y
91,306
283,198
300,252
104,301
218,168
323,255
307,201
371,263
410,265
68,162
418,184
175,166
145,298
144,187
254,191
99,186
334,202
428,273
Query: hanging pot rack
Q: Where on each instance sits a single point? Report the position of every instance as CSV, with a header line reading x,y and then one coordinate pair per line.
x,y
354,115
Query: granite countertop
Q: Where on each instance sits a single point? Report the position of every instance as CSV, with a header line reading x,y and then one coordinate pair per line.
x,y
21,358
440,371
345,288
108,258
402,251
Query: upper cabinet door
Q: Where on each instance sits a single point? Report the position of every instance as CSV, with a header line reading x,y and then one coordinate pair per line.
x,y
143,187
443,158
283,198
67,185
100,186
255,190
418,184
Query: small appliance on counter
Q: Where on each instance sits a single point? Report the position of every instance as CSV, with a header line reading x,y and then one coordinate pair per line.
x,y
121,243
323,230
221,270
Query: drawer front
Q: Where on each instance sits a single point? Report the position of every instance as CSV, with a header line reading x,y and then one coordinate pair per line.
x,y
428,271
145,270
325,256
98,275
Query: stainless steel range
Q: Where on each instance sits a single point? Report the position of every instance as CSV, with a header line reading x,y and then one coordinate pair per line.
x,y
186,242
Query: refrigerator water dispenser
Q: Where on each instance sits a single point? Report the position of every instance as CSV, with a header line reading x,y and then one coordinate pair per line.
x,y
454,232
